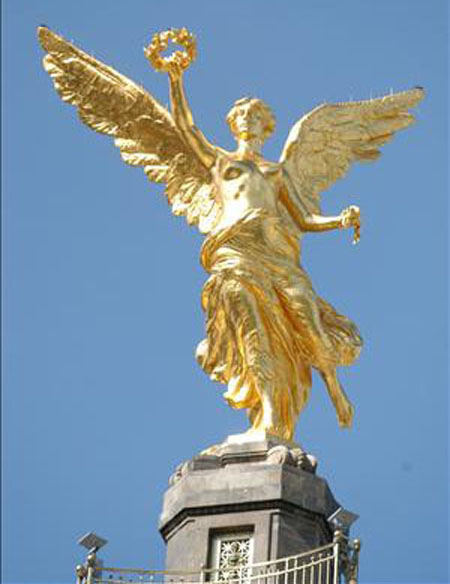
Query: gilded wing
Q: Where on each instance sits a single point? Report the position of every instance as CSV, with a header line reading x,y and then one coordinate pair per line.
x,y
322,145
144,130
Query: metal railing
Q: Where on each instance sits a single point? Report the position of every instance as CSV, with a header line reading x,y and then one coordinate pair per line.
x,y
334,563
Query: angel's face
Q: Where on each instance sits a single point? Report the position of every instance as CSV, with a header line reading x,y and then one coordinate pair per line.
x,y
251,119
249,123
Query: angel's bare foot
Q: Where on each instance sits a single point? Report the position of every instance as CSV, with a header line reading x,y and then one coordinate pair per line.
x,y
270,420
265,420
343,407
345,412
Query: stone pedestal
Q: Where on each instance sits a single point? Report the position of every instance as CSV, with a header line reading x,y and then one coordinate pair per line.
x,y
261,499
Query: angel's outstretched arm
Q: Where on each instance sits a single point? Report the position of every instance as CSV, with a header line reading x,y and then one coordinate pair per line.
x,y
185,122
308,221
324,143
322,223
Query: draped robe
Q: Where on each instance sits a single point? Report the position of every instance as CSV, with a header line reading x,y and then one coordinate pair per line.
x,y
265,326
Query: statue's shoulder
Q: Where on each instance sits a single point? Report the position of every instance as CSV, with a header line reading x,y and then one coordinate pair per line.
x,y
267,166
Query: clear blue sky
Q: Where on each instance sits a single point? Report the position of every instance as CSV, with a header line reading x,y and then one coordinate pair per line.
x,y
102,397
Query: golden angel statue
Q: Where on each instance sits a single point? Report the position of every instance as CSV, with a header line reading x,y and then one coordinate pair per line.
x,y
266,327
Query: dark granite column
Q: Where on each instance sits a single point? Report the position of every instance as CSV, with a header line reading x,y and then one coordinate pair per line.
x,y
262,499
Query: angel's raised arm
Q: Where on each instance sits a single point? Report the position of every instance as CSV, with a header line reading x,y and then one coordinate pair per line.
x,y
142,128
184,120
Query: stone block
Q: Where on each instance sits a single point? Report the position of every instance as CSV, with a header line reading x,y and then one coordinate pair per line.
x,y
266,489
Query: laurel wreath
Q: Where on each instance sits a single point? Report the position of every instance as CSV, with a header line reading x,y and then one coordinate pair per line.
x,y
160,42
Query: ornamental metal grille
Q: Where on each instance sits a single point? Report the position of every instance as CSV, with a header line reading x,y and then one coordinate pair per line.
x,y
234,557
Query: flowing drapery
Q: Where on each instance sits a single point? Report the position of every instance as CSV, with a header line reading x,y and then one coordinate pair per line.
x,y
266,327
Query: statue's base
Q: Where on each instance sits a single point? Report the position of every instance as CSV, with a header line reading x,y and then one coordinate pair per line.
x,y
261,493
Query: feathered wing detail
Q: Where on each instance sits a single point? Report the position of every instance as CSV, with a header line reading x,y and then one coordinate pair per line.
x,y
322,145
144,130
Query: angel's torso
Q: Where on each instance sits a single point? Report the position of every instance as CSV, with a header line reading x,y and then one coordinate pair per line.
x,y
245,185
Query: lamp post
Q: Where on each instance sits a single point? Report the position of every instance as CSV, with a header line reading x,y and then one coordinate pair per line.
x,y
347,551
86,572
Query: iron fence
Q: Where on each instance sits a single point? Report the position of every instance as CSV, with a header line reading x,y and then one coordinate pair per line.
x,y
334,563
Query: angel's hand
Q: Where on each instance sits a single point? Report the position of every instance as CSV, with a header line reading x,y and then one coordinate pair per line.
x,y
174,70
351,217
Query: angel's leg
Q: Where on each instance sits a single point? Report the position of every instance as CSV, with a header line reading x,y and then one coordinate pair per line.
x,y
317,344
257,370
324,360
300,302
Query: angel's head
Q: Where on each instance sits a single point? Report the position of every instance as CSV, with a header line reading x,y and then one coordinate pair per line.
x,y
251,118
